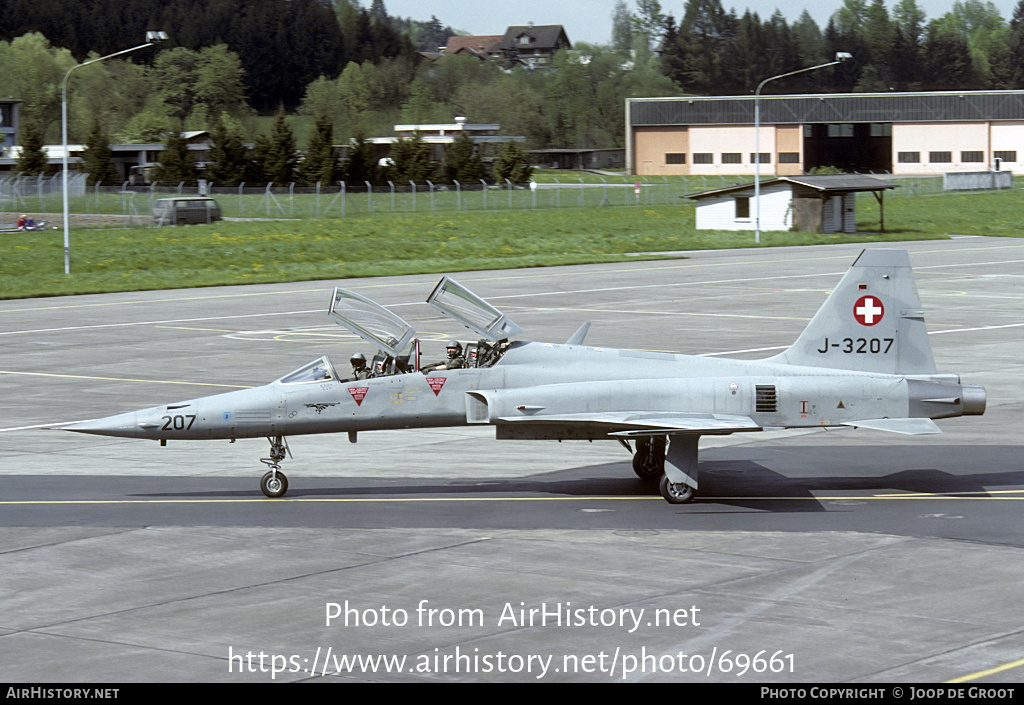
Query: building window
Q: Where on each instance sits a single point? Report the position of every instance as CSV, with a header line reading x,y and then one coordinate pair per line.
x,y
675,158
909,158
940,157
766,157
789,157
732,158
841,129
742,207
973,156
703,158
1010,156
881,129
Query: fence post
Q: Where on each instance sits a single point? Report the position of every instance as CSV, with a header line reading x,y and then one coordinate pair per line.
x,y
369,197
483,188
241,207
431,185
458,195
392,185
291,198
509,182
413,183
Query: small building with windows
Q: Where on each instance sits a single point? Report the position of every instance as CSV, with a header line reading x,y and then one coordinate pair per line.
x,y
892,133
826,204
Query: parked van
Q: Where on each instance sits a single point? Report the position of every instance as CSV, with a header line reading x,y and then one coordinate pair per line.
x,y
183,210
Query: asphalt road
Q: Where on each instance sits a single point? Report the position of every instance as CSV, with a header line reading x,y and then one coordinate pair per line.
x,y
842,556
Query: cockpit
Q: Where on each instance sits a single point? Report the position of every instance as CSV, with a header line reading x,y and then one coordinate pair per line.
x,y
317,371
399,351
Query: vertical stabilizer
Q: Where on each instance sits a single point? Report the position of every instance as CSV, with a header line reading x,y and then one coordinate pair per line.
x,y
872,321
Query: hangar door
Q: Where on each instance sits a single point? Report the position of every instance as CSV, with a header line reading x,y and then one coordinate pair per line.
x,y
849,146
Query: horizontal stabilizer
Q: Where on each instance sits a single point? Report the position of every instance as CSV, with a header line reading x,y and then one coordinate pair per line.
x,y
909,427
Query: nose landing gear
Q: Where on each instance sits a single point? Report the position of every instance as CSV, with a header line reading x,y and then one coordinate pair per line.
x,y
274,484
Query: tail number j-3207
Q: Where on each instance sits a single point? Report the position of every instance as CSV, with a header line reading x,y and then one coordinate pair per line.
x,y
859,346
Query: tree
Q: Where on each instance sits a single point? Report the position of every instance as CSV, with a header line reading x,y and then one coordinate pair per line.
x,y
462,160
622,28
228,153
32,161
176,164
319,165
410,157
96,159
1016,46
279,156
513,164
360,165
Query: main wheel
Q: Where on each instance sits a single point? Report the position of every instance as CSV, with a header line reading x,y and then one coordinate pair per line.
x,y
274,484
648,466
675,493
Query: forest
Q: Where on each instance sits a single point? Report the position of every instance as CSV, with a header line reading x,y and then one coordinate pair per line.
x,y
345,70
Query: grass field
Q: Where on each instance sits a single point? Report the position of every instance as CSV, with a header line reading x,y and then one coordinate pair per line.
x,y
394,243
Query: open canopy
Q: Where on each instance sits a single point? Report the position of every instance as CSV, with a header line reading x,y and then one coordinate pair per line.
x,y
452,299
371,321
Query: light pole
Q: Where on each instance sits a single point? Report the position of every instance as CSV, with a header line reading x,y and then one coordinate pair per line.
x,y
840,57
151,39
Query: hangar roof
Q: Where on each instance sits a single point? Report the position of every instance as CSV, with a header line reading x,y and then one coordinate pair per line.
x,y
947,106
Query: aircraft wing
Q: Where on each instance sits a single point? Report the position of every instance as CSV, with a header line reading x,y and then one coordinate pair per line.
x,y
636,424
908,427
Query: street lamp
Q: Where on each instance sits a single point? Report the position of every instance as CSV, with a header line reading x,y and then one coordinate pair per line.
x,y
151,39
840,57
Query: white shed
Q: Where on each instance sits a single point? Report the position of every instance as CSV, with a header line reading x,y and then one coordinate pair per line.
x,y
825,203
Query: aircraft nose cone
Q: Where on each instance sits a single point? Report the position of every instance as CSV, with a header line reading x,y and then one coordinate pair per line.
x,y
124,425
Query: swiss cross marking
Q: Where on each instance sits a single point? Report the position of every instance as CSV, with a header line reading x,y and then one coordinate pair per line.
x,y
358,393
868,310
436,383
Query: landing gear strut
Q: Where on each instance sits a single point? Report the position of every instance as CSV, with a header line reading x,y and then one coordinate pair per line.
x,y
274,484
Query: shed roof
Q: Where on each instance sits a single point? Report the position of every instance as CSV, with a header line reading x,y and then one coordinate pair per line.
x,y
825,183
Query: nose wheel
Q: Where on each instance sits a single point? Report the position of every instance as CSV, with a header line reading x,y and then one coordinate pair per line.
x,y
274,484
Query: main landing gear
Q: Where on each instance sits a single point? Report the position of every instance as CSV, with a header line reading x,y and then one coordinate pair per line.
x,y
274,484
678,482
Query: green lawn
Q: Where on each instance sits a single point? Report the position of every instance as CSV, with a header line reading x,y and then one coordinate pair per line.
x,y
388,243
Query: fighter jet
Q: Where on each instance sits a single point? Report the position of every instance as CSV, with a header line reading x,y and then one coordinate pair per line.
x,y
864,360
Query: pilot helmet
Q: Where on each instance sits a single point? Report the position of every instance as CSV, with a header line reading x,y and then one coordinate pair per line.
x,y
358,361
454,348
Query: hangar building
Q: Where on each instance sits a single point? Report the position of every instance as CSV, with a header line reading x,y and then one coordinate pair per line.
x,y
894,133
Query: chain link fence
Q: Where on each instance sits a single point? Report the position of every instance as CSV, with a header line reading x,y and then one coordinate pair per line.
x,y
125,205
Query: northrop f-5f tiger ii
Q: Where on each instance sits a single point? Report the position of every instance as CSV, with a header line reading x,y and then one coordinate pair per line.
x,y
864,360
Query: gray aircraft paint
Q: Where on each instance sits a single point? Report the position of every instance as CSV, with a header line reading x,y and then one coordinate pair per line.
x,y
864,360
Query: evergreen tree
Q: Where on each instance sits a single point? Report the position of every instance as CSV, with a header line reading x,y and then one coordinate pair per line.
x,y
1016,47
32,161
360,166
319,165
462,161
96,160
176,164
410,157
227,154
512,163
280,158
